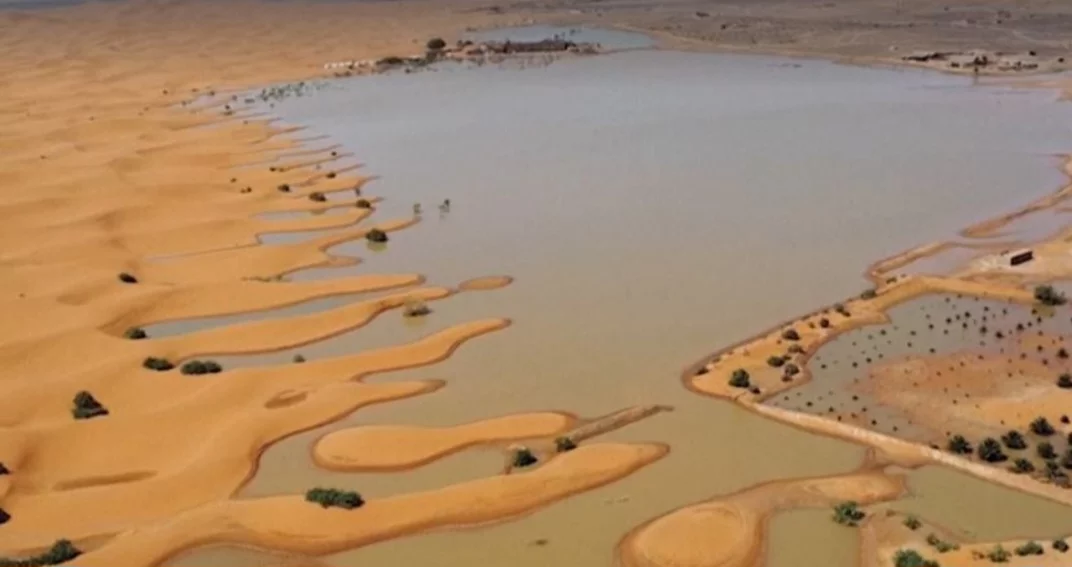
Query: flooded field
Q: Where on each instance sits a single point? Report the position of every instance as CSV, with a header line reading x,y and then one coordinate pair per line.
x,y
652,206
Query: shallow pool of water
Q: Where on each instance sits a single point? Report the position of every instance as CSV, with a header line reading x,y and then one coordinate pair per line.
x,y
653,206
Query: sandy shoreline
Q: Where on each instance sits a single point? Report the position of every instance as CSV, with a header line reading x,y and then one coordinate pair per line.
x,y
108,172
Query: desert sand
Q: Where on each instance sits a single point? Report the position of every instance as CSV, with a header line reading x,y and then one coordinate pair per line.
x,y
109,167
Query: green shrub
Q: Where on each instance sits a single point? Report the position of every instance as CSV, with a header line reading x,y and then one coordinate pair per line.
x,y
998,555
523,457
376,235
135,334
1047,295
157,364
740,378
1030,548
959,445
1060,545
87,407
775,361
197,367
331,497
436,43
61,551
564,444
912,523
848,514
1046,451
364,204
1041,426
911,558
1014,440
1022,466
990,451
868,294
791,335
127,278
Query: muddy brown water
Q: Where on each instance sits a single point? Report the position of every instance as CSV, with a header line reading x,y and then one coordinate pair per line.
x,y
653,206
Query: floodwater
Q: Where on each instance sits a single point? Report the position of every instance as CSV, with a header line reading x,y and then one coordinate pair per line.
x,y
653,206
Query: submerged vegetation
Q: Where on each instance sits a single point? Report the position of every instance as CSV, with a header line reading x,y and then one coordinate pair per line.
x,y
1047,295
523,457
848,514
334,498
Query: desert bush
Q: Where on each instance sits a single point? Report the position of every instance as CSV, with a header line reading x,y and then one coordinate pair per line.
x,y
998,555
1014,440
331,497
523,457
1046,451
331,175
791,370
4,516
911,558
1062,353
1047,295
157,364
197,367
127,278
298,359
1029,548
848,514
795,349
364,204
135,334
87,407
959,445
61,551
1022,466
840,308
4,470
564,444
376,235
990,451
912,523
283,188
940,545
1060,545
868,294
1066,460
791,335
1041,426
318,197
740,378
1064,381
824,323
775,361
436,43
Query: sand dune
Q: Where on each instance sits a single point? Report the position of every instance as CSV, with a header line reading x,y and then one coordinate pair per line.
x,y
291,524
729,531
389,447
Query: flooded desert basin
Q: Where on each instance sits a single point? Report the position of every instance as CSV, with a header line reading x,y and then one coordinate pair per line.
x,y
652,206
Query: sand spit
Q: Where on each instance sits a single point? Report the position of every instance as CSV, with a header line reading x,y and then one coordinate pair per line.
x,y
402,447
485,283
729,531
293,525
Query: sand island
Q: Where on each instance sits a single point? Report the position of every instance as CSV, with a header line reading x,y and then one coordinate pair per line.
x,y
238,335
